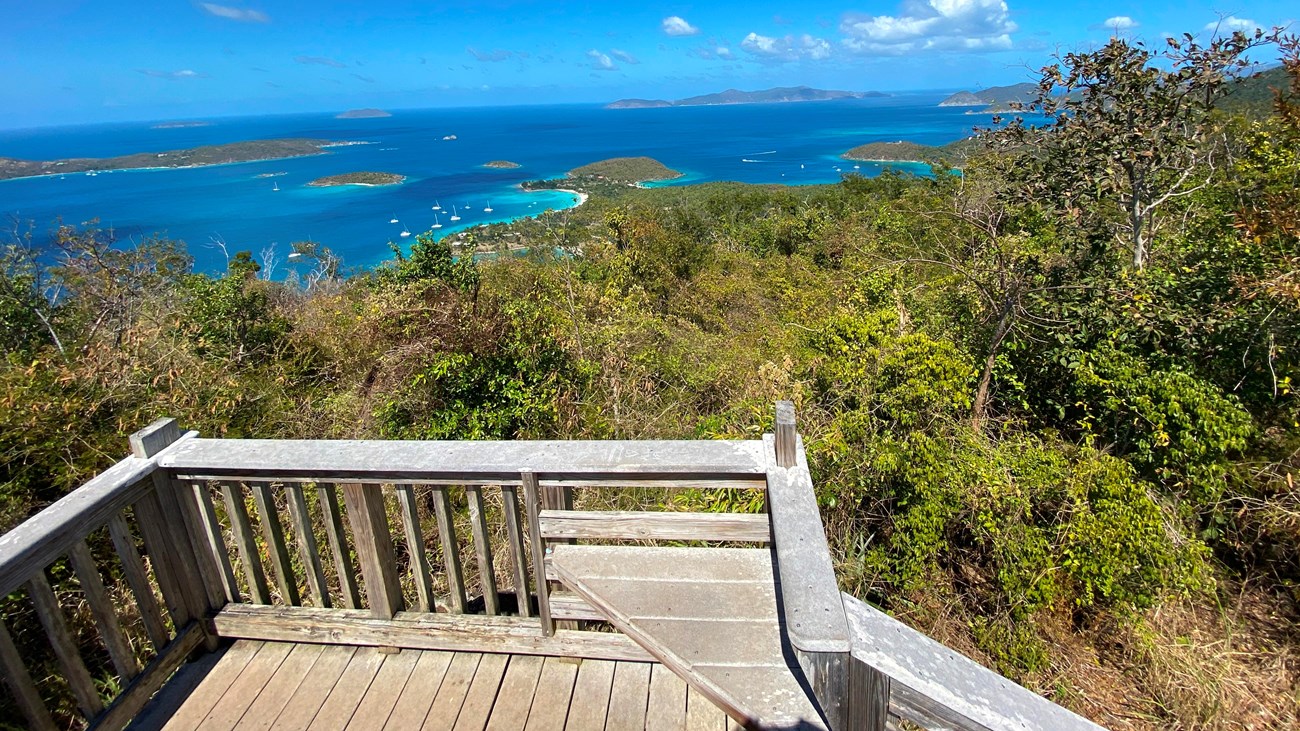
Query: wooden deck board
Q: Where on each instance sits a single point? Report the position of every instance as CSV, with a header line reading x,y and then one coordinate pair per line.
x,y
709,614
256,685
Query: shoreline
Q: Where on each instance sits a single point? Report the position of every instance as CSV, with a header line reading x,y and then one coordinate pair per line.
x,y
160,168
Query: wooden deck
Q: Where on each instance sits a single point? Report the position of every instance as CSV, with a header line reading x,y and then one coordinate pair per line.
x,y
279,685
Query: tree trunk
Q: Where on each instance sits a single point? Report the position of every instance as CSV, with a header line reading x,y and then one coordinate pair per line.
x,y
980,407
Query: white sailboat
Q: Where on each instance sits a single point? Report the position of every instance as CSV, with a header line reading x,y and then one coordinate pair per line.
x,y
436,205
405,232
489,207
393,219
275,185
436,224
454,216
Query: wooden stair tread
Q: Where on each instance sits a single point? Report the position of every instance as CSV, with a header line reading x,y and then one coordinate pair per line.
x,y
708,614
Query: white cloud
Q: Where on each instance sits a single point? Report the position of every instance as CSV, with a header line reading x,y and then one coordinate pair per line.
x,y
788,48
1119,22
1232,23
174,75
624,56
722,52
600,61
925,25
243,15
675,25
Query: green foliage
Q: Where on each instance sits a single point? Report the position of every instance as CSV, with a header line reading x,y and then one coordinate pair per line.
x,y
432,260
231,317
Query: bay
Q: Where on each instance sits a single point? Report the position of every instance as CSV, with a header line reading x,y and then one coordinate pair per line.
x,y
794,144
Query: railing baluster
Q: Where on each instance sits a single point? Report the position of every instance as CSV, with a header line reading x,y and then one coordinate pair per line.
x,y
483,548
101,607
21,685
450,548
138,579
274,535
174,579
65,648
307,545
338,540
216,541
242,529
420,572
375,548
515,541
532,503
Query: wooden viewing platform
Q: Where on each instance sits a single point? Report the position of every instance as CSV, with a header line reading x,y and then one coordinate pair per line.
x,y
222,584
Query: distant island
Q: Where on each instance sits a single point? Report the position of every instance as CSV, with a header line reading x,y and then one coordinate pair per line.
x,y
180,125
251,151
369,179
994,98
363,114
607,177
902,151
501,165
781,94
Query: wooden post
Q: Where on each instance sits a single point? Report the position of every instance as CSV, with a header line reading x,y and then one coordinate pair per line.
x,y
365,506
868,701
338,540
483,548
532,503
785,434
515,541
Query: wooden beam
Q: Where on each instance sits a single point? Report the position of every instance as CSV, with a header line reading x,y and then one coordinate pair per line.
x,y
483,548
210,529
105,614
328,499
421,574
515,542
250,558
636,525
20,684
785,434
493,462
453,632
532,504
450,550
65,647
307,548
138,579
268,517
156,674
365,504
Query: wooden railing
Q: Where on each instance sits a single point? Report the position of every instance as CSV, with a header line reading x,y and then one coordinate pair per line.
x,y
434,545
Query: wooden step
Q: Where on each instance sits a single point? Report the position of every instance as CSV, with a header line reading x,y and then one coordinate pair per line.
x,y
708,614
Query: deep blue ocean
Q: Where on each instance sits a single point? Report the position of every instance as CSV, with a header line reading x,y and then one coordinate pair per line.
x,y
795,144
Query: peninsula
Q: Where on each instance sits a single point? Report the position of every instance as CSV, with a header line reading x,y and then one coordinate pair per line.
x,y
368,179
501,165
902,151
251,151
994,98
778,95
606,177
363,114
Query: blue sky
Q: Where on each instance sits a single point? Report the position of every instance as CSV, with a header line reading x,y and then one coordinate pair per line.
x,y
66,62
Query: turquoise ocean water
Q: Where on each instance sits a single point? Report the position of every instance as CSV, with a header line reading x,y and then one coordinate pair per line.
x,y
772,143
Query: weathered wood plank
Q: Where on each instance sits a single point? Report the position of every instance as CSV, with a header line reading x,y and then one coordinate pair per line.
x,y
175,579
463,633
245,689
567,606
273,533
315,688
451,693
105,614
374,548
179,502
701,714
532,504
38,541
590,702
467,462
138,579
515,542
628,697
868,698
551,699
20,684
216,543
156,674
338,540
242,530
642,525
421,574
483,549
65,648
515,697
307,549
209,692
667,706
450,549
784,442
482,695
411,707
339,706
929,681
379,700
272,700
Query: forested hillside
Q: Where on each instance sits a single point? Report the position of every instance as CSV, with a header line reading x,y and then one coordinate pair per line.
x,y
1049,402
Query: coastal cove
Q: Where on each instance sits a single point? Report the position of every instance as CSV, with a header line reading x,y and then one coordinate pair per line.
x,y
441,155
